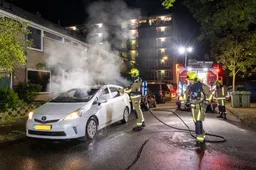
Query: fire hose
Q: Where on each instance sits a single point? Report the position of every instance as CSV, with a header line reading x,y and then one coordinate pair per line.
x,y
222,139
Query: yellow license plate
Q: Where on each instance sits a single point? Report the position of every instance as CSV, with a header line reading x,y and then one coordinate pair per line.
x,y
42,127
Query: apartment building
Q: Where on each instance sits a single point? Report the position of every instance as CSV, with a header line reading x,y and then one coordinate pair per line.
x,y
145,43
45,36
148,43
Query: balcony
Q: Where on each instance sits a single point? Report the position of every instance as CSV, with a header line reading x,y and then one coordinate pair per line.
x,y
164,20
163,34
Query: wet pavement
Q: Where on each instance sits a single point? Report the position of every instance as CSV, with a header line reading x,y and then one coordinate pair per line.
x,y
116,147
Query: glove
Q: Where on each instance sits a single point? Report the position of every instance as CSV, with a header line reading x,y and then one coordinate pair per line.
x,y
207,102
121,91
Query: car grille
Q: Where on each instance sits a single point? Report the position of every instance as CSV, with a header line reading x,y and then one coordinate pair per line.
x,y
44,133
47,121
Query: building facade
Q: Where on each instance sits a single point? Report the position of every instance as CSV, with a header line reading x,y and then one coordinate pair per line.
x,y
148,45
46,37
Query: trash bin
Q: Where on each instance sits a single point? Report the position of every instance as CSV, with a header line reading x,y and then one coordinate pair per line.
x,y
245,98
235,99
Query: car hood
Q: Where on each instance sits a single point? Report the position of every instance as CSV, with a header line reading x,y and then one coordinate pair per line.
x,y
57,110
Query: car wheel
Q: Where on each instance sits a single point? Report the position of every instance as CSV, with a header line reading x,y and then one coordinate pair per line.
x,y
154,105
91,128
125,115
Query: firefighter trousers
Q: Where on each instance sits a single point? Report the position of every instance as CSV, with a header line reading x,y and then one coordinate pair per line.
x,y
221,105
136,100
198,113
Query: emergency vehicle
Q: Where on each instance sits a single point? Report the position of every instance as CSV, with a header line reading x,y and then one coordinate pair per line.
x,y
207,72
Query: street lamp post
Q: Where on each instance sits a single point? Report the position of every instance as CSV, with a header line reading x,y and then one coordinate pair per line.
x,y
185,51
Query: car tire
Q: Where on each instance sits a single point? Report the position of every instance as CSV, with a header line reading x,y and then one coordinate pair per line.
x,y
91,128
125,115
154,105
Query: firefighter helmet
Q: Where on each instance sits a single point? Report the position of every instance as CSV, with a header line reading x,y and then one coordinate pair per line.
x,y
134,72
193,76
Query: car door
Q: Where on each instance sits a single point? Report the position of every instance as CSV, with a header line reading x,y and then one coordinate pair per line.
x,y
117,102
105,113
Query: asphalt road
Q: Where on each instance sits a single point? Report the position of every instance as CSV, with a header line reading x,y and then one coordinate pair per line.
x,y
116,147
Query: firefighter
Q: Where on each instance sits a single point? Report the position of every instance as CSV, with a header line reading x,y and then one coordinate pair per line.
x,y
220,96
199,97
135,94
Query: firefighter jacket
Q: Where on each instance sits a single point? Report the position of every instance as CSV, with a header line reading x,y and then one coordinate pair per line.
x,y
135,89
220,93
198,91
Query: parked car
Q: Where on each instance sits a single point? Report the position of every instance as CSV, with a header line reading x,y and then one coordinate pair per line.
x,y
173,90
78,113
160,91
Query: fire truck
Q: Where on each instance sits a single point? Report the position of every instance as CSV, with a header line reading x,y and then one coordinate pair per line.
x,y
208,74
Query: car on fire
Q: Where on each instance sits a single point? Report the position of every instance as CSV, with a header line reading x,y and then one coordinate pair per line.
x,y
79,113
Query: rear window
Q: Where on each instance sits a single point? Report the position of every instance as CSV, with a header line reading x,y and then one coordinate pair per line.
x,y
165,87
154,87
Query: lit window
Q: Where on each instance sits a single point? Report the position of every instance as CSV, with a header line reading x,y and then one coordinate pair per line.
x,y
73,28
100,25
133,21
162,18
152,21
162,29
168,19
143,21
162,39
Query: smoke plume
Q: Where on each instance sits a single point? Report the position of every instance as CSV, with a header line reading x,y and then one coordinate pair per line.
x,y
75,67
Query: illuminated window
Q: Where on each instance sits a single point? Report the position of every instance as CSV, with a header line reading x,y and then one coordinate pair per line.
x,y
143,21
152,21
168,19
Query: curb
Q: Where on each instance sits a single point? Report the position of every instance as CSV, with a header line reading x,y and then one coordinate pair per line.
x,y
14,141
242,121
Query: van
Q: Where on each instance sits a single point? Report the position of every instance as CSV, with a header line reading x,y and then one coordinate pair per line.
x,y
161,92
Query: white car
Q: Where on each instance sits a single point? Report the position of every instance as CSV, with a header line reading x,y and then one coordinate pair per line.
x,y
79,113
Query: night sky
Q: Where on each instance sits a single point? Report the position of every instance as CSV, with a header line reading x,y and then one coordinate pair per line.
x,y
72,12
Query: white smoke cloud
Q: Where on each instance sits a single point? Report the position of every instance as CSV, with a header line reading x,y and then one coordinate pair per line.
x,y
100,65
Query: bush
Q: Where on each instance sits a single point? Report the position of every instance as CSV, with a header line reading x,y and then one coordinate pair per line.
x,y
9,99
28,92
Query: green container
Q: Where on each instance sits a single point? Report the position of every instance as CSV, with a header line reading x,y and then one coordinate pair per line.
x,y
245,98
235,99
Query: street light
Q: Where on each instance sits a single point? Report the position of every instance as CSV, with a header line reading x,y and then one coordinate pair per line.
x,y
184,50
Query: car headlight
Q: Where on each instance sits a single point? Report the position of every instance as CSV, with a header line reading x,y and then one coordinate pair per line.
x,y
30,115
73,115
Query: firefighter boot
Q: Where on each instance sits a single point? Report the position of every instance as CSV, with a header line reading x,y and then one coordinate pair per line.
x,y
143,124
137,128
221,115
200,135
224,116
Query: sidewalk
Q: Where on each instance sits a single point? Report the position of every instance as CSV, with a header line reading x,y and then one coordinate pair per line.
x,y
10,133
246,115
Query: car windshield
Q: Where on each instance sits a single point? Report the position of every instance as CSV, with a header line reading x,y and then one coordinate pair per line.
x,y
76,95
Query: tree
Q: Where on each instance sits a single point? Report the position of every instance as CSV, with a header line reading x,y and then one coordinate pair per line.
x,y
13,44
230,26
168,3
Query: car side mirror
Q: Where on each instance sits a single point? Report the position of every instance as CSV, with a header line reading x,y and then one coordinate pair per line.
x,y
100,101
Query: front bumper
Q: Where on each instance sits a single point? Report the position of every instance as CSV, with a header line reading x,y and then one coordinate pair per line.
x,y
67,129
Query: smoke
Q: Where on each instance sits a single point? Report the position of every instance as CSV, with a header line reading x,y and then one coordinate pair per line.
x,y
75,67
115,16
